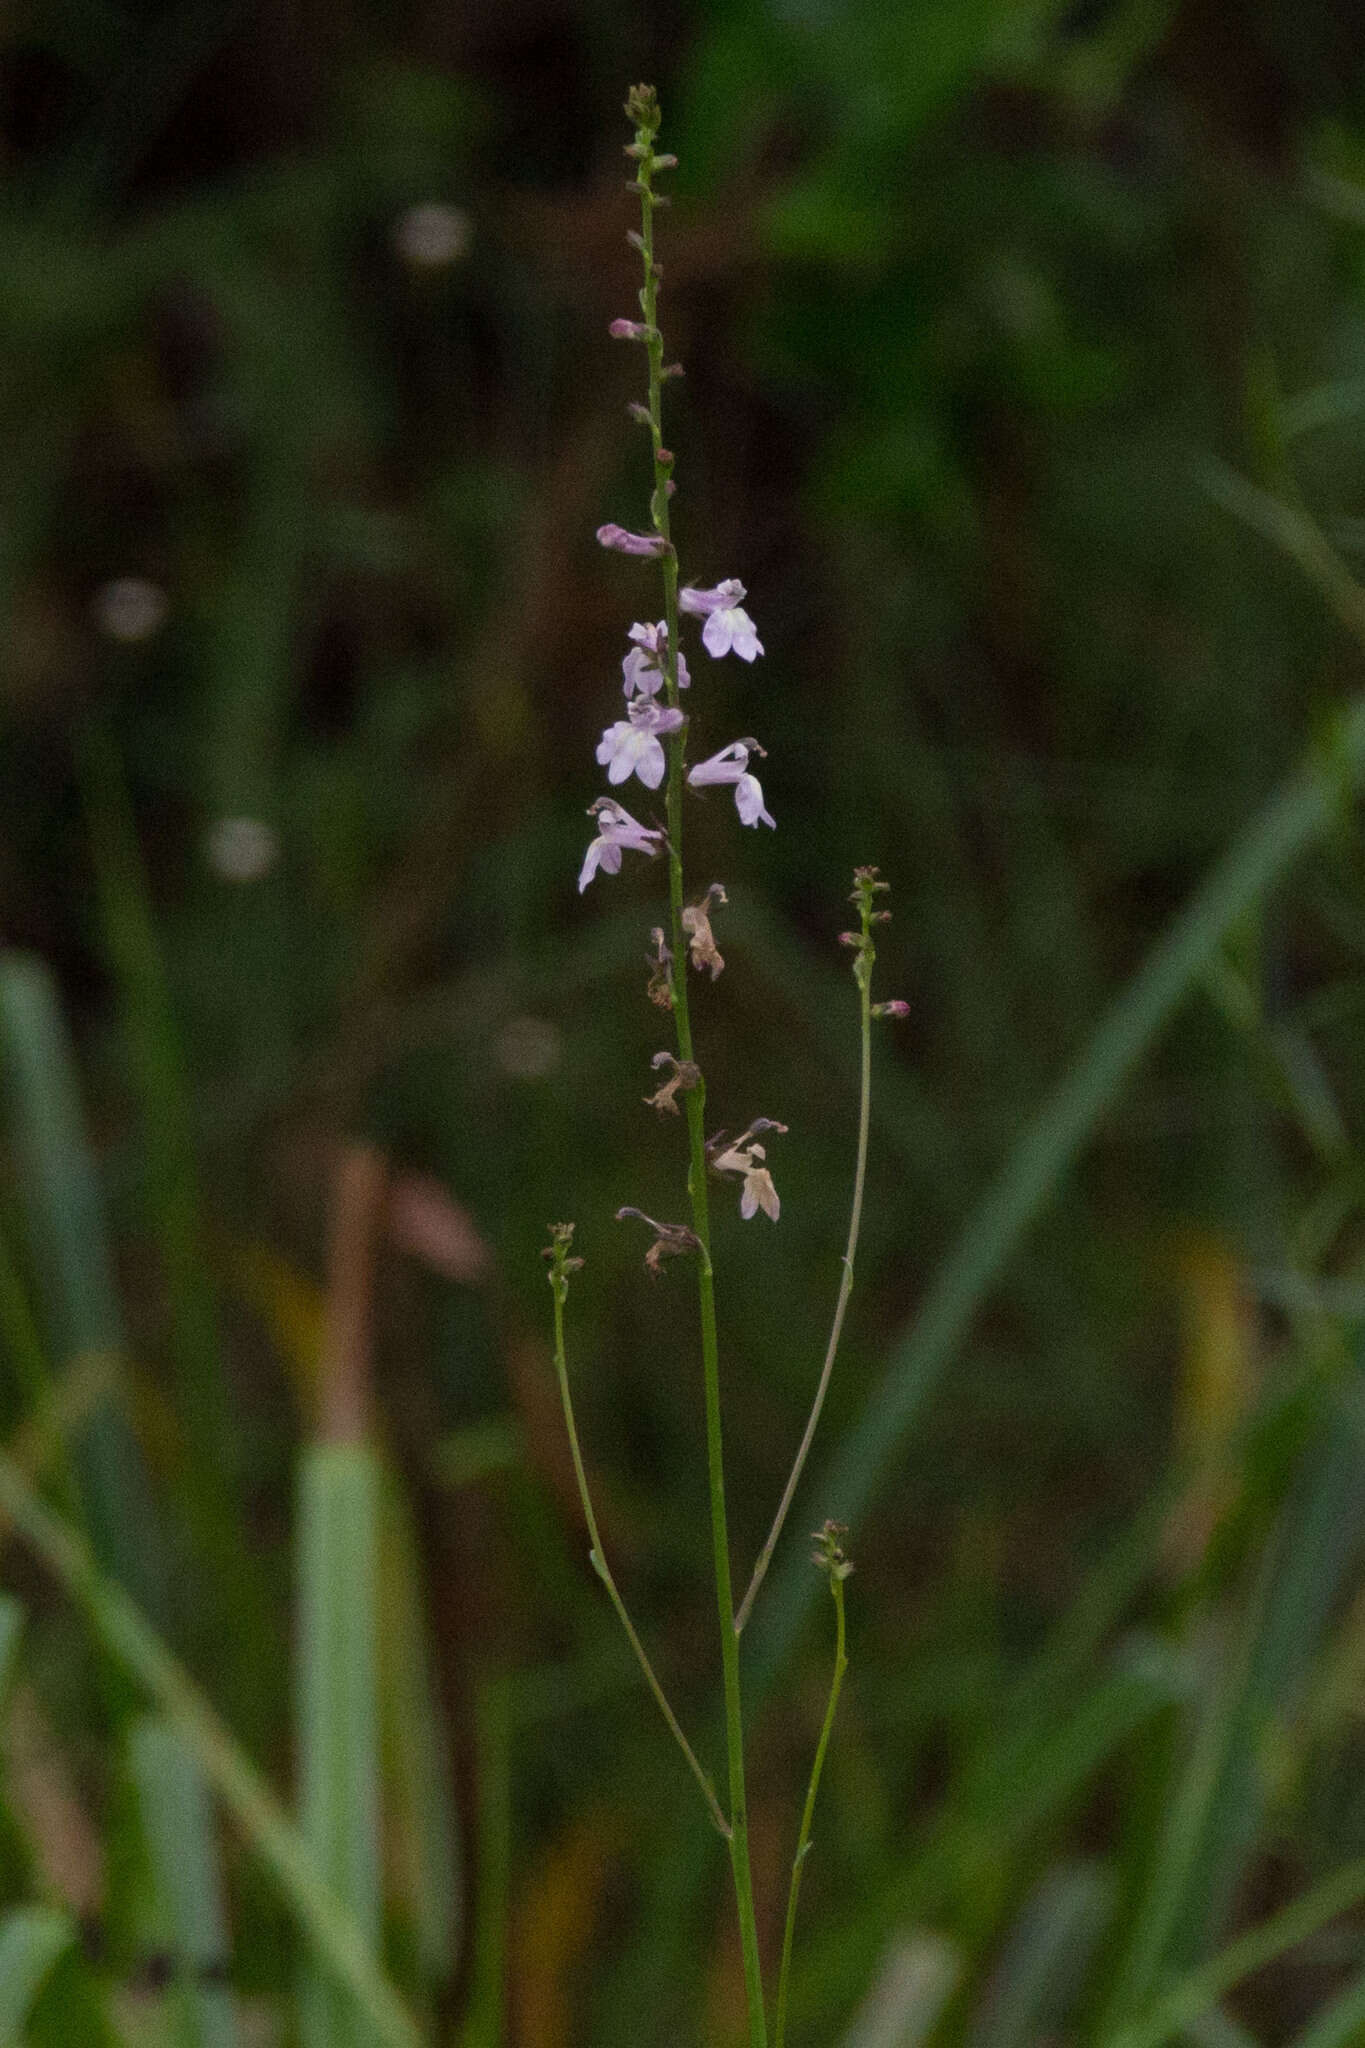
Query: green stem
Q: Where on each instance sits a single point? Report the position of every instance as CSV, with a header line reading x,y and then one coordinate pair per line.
x,y
836,1586
696,1134
845,1289
603,1569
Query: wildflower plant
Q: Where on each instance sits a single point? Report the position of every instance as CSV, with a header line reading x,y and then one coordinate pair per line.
x,y
650,744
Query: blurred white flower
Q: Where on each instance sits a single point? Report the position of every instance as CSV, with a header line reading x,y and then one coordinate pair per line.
x,y
241,849
529,1048
130,608
432,235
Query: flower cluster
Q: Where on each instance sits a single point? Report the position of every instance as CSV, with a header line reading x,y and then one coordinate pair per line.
x,y
633,745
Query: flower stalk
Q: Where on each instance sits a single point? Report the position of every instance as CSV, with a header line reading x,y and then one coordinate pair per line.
x,y
650,744
643,109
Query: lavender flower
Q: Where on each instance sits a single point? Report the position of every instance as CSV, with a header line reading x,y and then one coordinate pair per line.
x,y
630,330
631,746
728,627
731,766
643,668
624,543
618,830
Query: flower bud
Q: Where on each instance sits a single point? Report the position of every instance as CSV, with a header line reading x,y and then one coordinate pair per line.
x,y
895,1008
623,543
629,330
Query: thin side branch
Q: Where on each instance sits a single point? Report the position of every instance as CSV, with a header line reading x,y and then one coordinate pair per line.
x,y
603,1570
855,1219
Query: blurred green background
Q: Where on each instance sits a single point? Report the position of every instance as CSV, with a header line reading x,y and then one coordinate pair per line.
x,y
1025,377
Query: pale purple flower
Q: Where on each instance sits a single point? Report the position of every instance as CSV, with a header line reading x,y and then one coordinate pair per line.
x,y
643,667
749,802
631,746
617,830
759,1192
625,543
728,627
630,330
731,765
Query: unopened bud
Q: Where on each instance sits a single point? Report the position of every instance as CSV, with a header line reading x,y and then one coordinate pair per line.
x,y
671,370
642,108
639,412
895,1008
623,543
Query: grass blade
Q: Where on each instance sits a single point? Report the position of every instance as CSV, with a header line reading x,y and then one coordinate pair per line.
x,y
329,1925
1340,2024
1210,1816
165,1118
32,1939
64,1216
338,1731
917,1977
420,1798
1201,1989
1044,1959
177,1825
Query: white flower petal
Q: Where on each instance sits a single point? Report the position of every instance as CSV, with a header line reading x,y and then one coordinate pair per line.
x,y
749,802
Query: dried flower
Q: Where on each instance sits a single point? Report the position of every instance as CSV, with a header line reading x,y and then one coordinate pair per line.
x,y
617,831
659,987
731,765
702,949
624,543
671,1240
685,1074
642,669
728,627
631,746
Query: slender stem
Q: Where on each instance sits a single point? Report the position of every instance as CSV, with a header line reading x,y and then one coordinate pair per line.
x,y
603,1570
836,1329
836,1586
696,1134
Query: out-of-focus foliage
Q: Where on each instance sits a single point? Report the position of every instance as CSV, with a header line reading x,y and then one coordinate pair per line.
x,y
997,317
